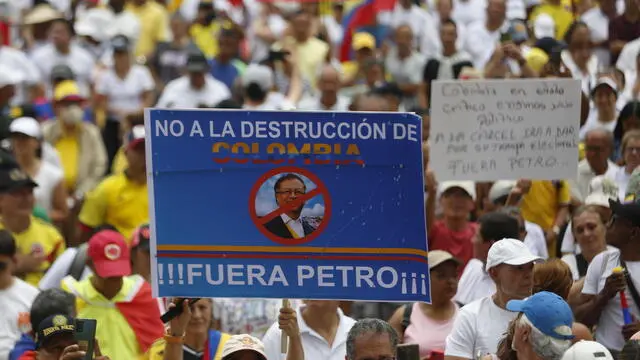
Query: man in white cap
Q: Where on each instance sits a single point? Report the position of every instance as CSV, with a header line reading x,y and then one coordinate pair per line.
x,y
587,350
257,83
480,325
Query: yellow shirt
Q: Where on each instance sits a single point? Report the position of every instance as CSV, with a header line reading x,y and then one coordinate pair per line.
x,y
311,54
117,339
206,38
116,201
154,26
68,148
540,205
40,236
561,16
120,163
156,352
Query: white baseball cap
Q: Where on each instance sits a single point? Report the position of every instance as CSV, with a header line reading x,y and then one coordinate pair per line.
x,y
468,186
544,26
510,252
587,350
261,75
26,126
501,188
243,342
437,257
601,190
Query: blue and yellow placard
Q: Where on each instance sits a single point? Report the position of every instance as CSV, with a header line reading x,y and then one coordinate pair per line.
x,y
287,205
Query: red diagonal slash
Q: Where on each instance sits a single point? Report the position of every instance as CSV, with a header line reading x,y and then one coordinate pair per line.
x,y
290,206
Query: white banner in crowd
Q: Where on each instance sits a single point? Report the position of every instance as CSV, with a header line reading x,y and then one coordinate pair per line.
x,y
505,129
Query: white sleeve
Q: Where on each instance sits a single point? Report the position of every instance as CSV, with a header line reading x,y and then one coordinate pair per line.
x,y
165,98
146,79
102,83
568,241
58,270
271,341
594,272
460,342
30,70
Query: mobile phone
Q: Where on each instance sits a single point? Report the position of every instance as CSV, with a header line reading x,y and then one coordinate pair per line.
x,y
85,336
505,37
408,352
177,310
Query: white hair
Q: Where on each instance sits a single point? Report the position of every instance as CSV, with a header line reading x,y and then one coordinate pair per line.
x,y
545,346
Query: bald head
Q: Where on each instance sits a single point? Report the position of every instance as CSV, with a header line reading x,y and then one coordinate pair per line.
x,y
370,102
328,80
599,135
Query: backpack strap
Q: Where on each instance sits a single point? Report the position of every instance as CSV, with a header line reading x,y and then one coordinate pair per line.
x,y
79,262
630,285
406,316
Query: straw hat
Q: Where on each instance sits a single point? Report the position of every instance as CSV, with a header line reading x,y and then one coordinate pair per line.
x,y
41,14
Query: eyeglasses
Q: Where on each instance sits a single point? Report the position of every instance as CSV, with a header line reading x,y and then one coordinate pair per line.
x,y
290,192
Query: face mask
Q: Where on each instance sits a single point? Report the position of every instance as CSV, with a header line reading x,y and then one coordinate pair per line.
x,y
72,114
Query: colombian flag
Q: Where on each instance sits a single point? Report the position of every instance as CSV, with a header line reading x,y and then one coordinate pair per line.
x,y
360,16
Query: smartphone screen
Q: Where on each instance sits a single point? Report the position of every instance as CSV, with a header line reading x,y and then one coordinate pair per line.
x,y
505,37
85,336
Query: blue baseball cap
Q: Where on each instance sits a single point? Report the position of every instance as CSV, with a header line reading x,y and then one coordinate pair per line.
x,y
548,312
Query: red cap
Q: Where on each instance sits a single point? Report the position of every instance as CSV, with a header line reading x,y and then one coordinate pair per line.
x,y
110,254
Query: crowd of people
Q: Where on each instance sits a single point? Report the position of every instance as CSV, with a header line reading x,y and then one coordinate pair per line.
x,y
519,269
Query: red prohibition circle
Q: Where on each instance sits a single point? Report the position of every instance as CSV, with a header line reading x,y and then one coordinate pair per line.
x,y
324,192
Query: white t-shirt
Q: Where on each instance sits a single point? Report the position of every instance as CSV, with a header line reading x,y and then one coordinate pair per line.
x,y
48,178
535,240
593,123
251,316
125,94
78,59
315,346
478,329
312,103
627,59
179,94
15,303
474,283
570,259
609,327
598,24
59,269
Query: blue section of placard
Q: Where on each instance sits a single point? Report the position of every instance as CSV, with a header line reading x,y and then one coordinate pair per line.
x,y
287,205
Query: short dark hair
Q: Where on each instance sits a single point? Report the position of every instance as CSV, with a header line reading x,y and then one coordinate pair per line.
x,y
369,326
7,244
496,226
289,176
448,21
51,302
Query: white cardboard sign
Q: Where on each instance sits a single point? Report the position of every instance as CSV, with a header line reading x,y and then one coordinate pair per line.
x,y
505,129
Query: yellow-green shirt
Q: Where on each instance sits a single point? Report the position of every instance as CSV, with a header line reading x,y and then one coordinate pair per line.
x,y
116,201
562,17
154,26
40,237
116,337
68,148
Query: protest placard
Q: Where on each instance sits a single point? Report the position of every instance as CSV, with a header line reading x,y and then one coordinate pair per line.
x,y
505,129
287,205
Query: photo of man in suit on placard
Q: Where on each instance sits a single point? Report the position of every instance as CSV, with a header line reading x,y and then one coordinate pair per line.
x,y
291,224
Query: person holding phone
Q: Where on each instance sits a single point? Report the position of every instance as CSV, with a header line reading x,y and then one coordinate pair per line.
x,y
55,340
